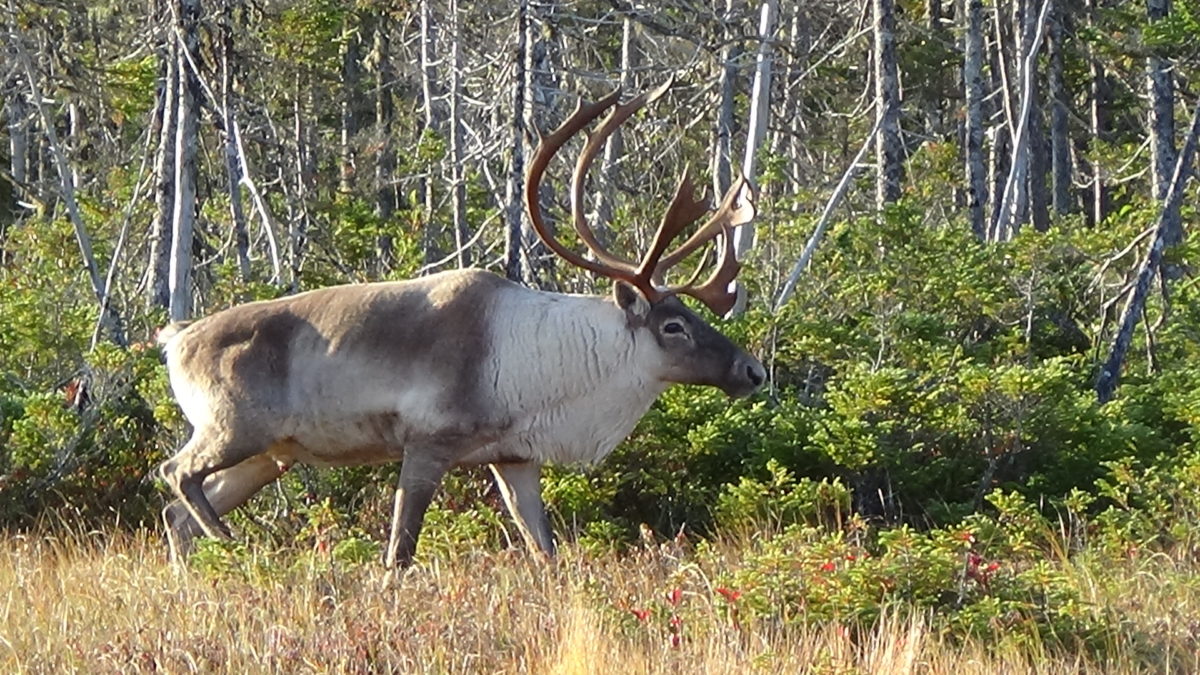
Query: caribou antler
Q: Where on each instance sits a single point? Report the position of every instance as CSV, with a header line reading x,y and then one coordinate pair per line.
x,y
736,209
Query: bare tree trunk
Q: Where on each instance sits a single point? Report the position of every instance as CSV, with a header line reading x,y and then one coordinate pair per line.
x,y
973,81
233,167
810,247
1060,141
1003,63
385,163
299,220
18,133
1100,95
932,118
542,87
184,214
351,101
514,222
614,147
256,198
158,285
760,111
723,144
1039,169
458,194
429,94
887,105
787,77
1110,374
1013,205
1039,152
74,140
1160,83
1014,202
18,110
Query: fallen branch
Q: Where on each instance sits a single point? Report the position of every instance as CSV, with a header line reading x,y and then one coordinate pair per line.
x,y
1110,374
834,200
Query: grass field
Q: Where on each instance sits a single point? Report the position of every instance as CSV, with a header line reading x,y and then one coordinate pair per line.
x,y
99,602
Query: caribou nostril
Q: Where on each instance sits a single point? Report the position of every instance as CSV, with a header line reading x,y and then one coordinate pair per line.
x,y
754,375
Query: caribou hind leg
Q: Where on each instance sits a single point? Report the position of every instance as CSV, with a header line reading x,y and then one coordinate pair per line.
x,y
225,490
420,476
186,472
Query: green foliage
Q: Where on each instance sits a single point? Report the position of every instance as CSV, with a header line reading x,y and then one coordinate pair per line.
x,y
992,589
309,32
780,501
454,532
131,84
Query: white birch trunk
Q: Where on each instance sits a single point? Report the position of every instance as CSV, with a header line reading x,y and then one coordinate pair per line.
x,y
760,110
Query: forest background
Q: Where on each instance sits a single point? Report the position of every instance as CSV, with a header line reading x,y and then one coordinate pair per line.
x,y
971,279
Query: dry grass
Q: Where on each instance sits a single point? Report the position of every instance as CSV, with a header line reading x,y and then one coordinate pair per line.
x,y
99,603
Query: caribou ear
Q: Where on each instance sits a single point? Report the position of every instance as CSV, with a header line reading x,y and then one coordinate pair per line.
x,y
630,299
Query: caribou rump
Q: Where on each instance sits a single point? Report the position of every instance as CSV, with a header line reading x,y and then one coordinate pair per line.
x,y
455,369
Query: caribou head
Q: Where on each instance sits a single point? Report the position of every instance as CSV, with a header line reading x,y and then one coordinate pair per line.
x,y
694,352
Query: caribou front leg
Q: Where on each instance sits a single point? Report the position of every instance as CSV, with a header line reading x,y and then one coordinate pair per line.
x,y
520,484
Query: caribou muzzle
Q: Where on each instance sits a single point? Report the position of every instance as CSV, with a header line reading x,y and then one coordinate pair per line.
x,y
745,377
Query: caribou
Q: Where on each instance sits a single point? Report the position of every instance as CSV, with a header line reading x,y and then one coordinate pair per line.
x,y
459,368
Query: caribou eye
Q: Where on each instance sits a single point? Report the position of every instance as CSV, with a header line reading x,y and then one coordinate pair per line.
x,y
673,327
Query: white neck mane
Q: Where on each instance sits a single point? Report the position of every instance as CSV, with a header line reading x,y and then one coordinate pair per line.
x,y
596,377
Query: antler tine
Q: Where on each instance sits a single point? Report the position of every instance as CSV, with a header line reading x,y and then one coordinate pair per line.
x,y
715,291
736,209
596,140
683,211
547,147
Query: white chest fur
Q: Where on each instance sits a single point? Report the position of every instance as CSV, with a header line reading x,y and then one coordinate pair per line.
x,y
573,377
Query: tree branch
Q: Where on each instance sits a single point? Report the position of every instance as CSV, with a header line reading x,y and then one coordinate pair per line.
x,y
108,316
